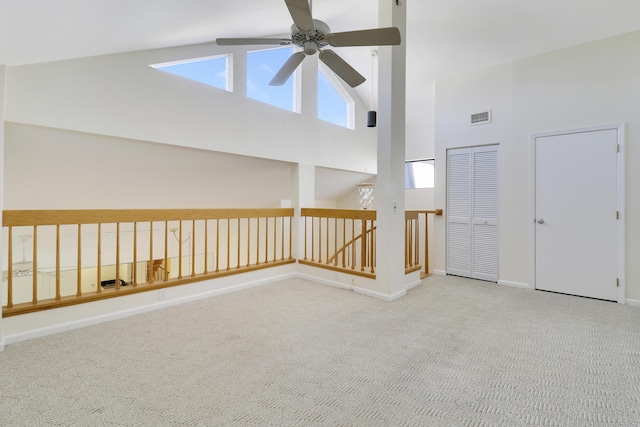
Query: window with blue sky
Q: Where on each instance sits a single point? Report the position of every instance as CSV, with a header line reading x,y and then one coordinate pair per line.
x,y
334,103
213,71
262,65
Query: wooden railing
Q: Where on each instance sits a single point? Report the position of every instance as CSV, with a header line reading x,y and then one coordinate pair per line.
x,y
340,239
65,257
344,240
417,240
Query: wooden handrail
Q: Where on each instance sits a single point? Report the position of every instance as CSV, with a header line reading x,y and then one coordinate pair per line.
x,y
113,216
262,250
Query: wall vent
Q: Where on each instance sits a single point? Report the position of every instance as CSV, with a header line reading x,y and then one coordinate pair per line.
x,y
481,118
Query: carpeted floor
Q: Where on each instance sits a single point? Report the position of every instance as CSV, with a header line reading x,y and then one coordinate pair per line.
x,y
453,352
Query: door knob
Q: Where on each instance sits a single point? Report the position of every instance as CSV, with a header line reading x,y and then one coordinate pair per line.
x,y
541,221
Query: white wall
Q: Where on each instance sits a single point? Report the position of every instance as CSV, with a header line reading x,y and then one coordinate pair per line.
x,y
2,102
592,84
120,95
60,169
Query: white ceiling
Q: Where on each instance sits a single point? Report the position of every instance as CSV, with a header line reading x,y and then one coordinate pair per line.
x,y
444,37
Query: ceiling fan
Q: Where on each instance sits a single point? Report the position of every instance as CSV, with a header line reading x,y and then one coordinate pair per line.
x,y
313,35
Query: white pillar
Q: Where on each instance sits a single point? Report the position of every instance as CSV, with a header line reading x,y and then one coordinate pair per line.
x,y
390,277
3,74
303,196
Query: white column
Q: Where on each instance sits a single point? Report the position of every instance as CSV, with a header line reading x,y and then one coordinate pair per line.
x,y
390,275
3,74
303,196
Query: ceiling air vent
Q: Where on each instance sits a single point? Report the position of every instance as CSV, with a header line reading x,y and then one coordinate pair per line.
x,y
481,118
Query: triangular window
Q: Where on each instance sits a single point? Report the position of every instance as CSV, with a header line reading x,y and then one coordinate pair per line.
x,y
212,71
334,103
262,66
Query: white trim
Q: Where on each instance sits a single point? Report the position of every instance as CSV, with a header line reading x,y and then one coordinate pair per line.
x,y
621,132
413,285
380,295
515,284
332,283
439,272
633,302
62,327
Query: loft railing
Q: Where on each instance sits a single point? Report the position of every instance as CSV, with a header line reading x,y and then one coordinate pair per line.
x,y
417,224
63,257
340,239
344,240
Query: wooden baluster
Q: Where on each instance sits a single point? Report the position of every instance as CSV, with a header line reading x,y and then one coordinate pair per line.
x,y
99,269
217,245
408,243
291,238
353,245
135,255
150,264
275,238
335,241
326,246
180,250
58,262
306,220
248,241
35,264
193,248
313,239
363,246
266,240
344,241
206,246
426,243
228,244
416,239
258,242
372,248
238,243
117,256
282,238
10,269
79,293
166,251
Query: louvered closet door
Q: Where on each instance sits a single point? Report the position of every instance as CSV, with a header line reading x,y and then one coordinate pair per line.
x,y
472,212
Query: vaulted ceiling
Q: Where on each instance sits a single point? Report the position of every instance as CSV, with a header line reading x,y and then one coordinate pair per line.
x,y
444,37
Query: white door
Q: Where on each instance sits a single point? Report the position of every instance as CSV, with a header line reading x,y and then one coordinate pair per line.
x,y
576,203
472,212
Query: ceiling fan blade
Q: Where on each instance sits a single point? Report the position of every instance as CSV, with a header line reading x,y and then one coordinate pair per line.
x,y
245,41
338,65
301,14
375,37
287,69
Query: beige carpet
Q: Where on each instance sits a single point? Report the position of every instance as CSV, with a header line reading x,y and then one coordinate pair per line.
x,y
453,352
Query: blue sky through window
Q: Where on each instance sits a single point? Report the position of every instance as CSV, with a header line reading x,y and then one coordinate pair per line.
x,y
331,107
210,71
262,66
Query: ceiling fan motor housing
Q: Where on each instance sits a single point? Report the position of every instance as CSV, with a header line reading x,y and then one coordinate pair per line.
x,y
311,42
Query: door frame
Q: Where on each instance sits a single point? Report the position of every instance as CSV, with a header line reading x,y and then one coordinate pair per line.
x,y
621,131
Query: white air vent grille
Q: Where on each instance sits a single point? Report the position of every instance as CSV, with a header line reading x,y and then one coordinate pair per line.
x,y
481,118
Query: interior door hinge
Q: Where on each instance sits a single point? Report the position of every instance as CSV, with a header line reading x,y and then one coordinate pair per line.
x,y
617,148
617,282
617,214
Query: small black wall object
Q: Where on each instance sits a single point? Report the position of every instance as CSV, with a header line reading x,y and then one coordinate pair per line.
x,y
371,119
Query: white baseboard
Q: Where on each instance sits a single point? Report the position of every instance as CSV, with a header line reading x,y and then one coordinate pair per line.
x,y
514,284
380,295
1,346
439,272
90,321
322,281
632,302
413,285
